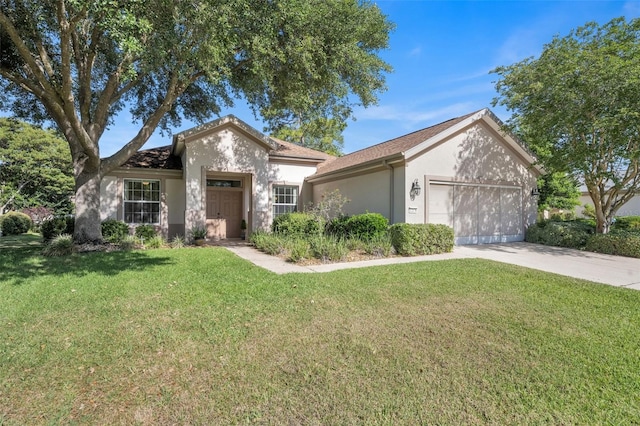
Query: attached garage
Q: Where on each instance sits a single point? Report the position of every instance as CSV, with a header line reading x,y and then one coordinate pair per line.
x,y
478,213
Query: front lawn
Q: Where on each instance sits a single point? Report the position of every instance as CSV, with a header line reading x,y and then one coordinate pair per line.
x,y
200,336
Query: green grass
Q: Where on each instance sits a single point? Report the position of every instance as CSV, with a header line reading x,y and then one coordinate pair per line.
x,y
199,336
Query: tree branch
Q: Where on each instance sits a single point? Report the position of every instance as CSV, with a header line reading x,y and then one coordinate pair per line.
x,y
174,89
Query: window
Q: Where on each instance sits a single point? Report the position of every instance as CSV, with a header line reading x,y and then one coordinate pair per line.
x,y
142,201
285,199
219,183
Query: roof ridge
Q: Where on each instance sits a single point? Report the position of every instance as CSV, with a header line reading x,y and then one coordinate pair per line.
x,y
415,131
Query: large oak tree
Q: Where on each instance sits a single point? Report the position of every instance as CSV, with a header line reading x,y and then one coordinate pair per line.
x,y
577,106
79,63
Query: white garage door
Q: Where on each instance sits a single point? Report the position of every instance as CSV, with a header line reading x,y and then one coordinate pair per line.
x,y
478,214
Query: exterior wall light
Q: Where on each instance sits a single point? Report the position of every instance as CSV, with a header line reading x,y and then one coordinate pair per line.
x,y
415,190
535,193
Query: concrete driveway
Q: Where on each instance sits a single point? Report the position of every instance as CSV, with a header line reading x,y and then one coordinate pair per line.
x,y
602,268
613,270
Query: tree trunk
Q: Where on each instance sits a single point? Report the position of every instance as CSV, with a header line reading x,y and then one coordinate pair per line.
x,y
88,227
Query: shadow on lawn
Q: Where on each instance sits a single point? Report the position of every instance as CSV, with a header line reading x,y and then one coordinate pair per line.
x,y
21,262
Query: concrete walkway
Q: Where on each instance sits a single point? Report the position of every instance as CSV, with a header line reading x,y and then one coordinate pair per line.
x,y
613,270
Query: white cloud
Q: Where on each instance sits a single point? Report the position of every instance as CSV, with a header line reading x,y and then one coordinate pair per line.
x,y
416,51
410,117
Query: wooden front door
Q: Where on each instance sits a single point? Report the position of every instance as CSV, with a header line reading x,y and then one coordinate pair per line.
x,y
224,213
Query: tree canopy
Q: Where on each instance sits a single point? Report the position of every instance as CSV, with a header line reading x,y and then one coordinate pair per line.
x,y
35,168
558,191
577,106
79,63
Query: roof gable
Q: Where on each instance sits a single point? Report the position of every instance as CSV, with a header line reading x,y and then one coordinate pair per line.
x,y
414,143
179,139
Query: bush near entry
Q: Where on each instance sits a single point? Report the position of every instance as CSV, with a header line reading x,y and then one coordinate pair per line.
x,y
418,239
15,223
365,227
298,224
53,227
114,230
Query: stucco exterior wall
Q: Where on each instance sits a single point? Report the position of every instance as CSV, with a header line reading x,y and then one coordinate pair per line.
x,y
225,151
175,200
476,155
367,192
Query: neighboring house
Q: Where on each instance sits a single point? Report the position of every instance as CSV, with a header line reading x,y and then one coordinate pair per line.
x,y
630,208
464,172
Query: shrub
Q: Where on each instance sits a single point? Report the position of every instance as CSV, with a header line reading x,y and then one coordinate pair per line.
x,y
619,244
573,234
299,249
177,242
146,232
338,226
379,246
328,249
298,224
129,242
55,226
155,242
38,214
417,239
367,226
62,245
15,223
272,244
114,230
627,223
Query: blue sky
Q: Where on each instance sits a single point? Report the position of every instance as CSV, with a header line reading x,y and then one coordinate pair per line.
x,y
441,52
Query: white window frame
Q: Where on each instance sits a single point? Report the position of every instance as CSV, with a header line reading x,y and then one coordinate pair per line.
x,y
141,202
281,203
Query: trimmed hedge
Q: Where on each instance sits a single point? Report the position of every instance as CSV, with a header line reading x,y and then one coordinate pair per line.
x,y
365,227
114,230
53,227
573,234
627,223
146,232
15,223
618,244
418,239
298,224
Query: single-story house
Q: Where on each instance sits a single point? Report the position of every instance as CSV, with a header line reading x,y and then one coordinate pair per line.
x,y
465,172
630,208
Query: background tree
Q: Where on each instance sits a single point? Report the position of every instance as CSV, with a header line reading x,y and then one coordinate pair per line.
x,y
558,191
35,168
80,62
577,106
320,133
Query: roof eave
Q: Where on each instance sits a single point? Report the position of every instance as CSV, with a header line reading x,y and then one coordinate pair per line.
x,y
358,168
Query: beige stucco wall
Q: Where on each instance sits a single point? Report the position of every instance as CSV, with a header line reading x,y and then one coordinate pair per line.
x,y
230,151
476,155
367,192
175,200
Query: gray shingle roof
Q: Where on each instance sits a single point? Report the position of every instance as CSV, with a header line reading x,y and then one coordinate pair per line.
x,y
155,158
388,148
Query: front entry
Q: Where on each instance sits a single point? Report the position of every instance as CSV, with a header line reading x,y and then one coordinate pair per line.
x,y
224,213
